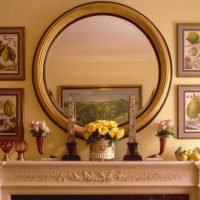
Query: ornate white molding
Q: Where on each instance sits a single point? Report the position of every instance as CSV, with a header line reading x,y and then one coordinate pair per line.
x,y
109,177
94,176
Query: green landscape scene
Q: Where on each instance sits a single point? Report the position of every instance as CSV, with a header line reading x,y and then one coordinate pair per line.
x,y
113,110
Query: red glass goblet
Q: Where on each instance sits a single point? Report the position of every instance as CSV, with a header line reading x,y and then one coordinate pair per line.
x,y
21,148
6,146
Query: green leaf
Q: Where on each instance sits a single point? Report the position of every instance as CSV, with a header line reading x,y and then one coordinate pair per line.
x,y
11,53
1,48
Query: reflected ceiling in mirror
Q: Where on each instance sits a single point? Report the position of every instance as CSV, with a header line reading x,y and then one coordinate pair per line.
x,y
101,50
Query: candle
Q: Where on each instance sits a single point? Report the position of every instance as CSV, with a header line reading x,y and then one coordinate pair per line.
x,y
71,118
132,119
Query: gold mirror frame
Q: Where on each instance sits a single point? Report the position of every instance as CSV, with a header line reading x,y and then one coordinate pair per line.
x,y
104,8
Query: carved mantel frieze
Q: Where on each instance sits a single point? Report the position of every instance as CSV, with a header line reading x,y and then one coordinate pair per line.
x,y
98,173
94,176
112,177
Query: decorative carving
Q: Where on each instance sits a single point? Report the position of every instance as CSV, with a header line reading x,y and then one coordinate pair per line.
x,y
94,176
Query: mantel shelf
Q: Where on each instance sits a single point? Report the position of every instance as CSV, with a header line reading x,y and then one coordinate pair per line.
x,y
99,177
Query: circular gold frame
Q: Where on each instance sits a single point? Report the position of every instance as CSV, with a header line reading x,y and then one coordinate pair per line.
x,y
106,8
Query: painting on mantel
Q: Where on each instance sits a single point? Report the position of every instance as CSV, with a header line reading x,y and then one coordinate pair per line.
x,y
109,102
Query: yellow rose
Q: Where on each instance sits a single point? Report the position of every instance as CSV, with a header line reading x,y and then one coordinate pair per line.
x,y
106,123
86,135
91,127
103,130
113,124
120,133
98,125
113,132
99,121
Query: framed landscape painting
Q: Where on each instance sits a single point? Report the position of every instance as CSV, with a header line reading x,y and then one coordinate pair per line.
x,y
189,111
189,50
12,53
11,120
101,102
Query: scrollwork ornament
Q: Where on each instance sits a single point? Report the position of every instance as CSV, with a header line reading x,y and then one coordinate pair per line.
x,y
94,176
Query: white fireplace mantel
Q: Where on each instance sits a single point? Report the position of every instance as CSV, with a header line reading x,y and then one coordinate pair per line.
x,y
109,177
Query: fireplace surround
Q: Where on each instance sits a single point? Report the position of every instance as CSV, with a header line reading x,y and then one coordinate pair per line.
x,y
99,178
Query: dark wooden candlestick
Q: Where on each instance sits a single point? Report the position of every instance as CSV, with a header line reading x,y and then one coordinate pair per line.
x,y
132,154
72,154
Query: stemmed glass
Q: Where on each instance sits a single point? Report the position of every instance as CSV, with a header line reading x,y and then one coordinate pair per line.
x,y
6,146
21,148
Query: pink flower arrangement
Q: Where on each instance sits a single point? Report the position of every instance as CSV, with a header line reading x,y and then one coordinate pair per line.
x,y
165,128
39,128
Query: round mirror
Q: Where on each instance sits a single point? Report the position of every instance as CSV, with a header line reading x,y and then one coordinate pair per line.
x,y
101,53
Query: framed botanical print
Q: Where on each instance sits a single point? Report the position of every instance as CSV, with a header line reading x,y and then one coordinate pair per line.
x,y
110,102
12,58
189,111
11,113
189,50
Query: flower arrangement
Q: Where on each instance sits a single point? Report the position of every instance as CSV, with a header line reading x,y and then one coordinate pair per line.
x,y
165,128
102,129
39,128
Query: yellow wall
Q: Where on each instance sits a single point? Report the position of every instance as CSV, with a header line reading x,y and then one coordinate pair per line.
x,y
103,73
36,15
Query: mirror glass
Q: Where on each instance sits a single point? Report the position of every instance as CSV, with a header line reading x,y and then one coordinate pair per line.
x,y
101,50
102,45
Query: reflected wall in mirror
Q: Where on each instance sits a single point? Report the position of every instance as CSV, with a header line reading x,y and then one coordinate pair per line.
x,y
102,43
102,50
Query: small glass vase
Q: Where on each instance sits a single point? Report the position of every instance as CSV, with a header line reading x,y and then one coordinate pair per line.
x,y
39,143
101,150
162,141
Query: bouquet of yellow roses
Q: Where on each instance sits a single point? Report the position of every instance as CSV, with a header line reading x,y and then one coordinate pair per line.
x,y
102,129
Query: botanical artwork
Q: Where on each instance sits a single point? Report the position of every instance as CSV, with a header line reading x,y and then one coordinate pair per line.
x,y
188,50
101,103
191,50
8,53
192,111
189,111
12,55
8,114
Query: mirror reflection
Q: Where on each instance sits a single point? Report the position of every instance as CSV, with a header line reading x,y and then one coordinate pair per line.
x,y
101,51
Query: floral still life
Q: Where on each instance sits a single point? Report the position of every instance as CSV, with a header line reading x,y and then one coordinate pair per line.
x,y
165,129
103,129
39,128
